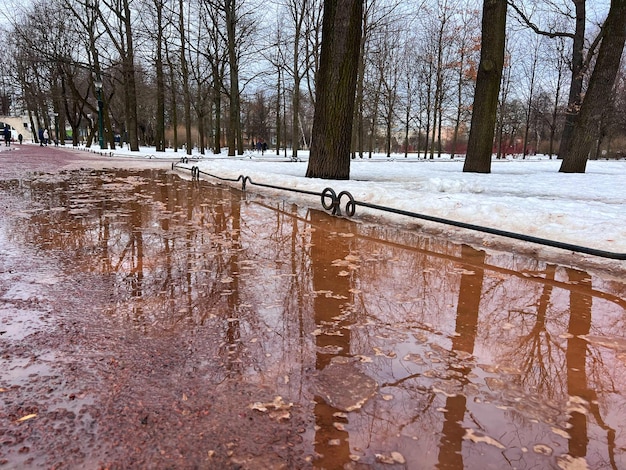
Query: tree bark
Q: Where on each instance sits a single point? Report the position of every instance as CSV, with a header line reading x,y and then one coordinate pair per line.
x,y
217,105
576,83
130,88
160,81
184,72
234,128
278,109
299,10
336,87
599,92
480,144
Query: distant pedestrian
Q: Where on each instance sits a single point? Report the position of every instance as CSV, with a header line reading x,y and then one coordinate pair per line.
x,y
40,137
7,135
20,137
46,136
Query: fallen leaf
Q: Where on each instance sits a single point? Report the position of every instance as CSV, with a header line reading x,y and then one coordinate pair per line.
x,y
27,417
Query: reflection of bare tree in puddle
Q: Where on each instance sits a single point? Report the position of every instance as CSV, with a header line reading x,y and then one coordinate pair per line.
x,y
470,290
536,346
135,256
576,358
332,288
232,346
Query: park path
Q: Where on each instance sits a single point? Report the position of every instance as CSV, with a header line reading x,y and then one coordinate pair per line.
x,y
151,321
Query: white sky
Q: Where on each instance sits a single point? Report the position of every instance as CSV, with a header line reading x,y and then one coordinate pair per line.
x,y
524,196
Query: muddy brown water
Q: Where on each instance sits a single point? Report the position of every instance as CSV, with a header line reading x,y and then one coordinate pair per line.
x,y
148,321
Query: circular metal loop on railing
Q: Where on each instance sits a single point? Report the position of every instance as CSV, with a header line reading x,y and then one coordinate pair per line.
x,y
350,205
334,204
184,160
195,173
329,193
244,180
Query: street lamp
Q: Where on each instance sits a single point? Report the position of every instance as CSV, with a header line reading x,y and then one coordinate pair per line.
x,y
98,84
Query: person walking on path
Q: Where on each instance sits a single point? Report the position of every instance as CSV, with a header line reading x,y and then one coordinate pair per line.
x,y
46,136
7,135
40,137
20,138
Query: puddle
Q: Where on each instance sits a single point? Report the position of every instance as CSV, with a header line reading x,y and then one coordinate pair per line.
x,y
389,348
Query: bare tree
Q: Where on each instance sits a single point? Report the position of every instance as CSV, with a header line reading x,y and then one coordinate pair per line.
x,y
599,92
480,144
215,52
335,90
532,79
378,17
465,40
118,23
579,61
298,11
184,74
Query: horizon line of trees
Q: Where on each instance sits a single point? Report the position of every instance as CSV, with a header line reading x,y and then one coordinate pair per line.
x,y
216,74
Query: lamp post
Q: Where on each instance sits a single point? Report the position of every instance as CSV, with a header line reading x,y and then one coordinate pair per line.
x,y
98,84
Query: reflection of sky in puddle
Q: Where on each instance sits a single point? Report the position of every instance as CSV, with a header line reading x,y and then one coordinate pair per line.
x,y
478,356
23,371
17,324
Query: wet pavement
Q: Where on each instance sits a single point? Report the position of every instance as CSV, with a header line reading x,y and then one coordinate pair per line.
x,y
148,321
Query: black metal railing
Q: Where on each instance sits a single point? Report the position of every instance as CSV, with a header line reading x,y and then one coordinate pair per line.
x,y
331,201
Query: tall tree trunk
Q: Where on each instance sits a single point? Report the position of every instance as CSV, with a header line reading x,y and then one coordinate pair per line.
x,y
234,127
429,107
555,111
576,84
173,103
407,117
374,119
185,76
480,144
600,90
336,87
529,106
130,87
459,103
217,104
295,121
358,107
299,15
438,108
278,95
160,82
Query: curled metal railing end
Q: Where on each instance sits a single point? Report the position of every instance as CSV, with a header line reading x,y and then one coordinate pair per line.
x,y
350,205
334,204
195,173
244,180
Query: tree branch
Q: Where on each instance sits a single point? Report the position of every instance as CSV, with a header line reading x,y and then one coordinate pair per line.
x,y
526,20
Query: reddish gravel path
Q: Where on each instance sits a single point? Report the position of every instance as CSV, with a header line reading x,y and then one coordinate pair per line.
x,y
80,390
19,159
